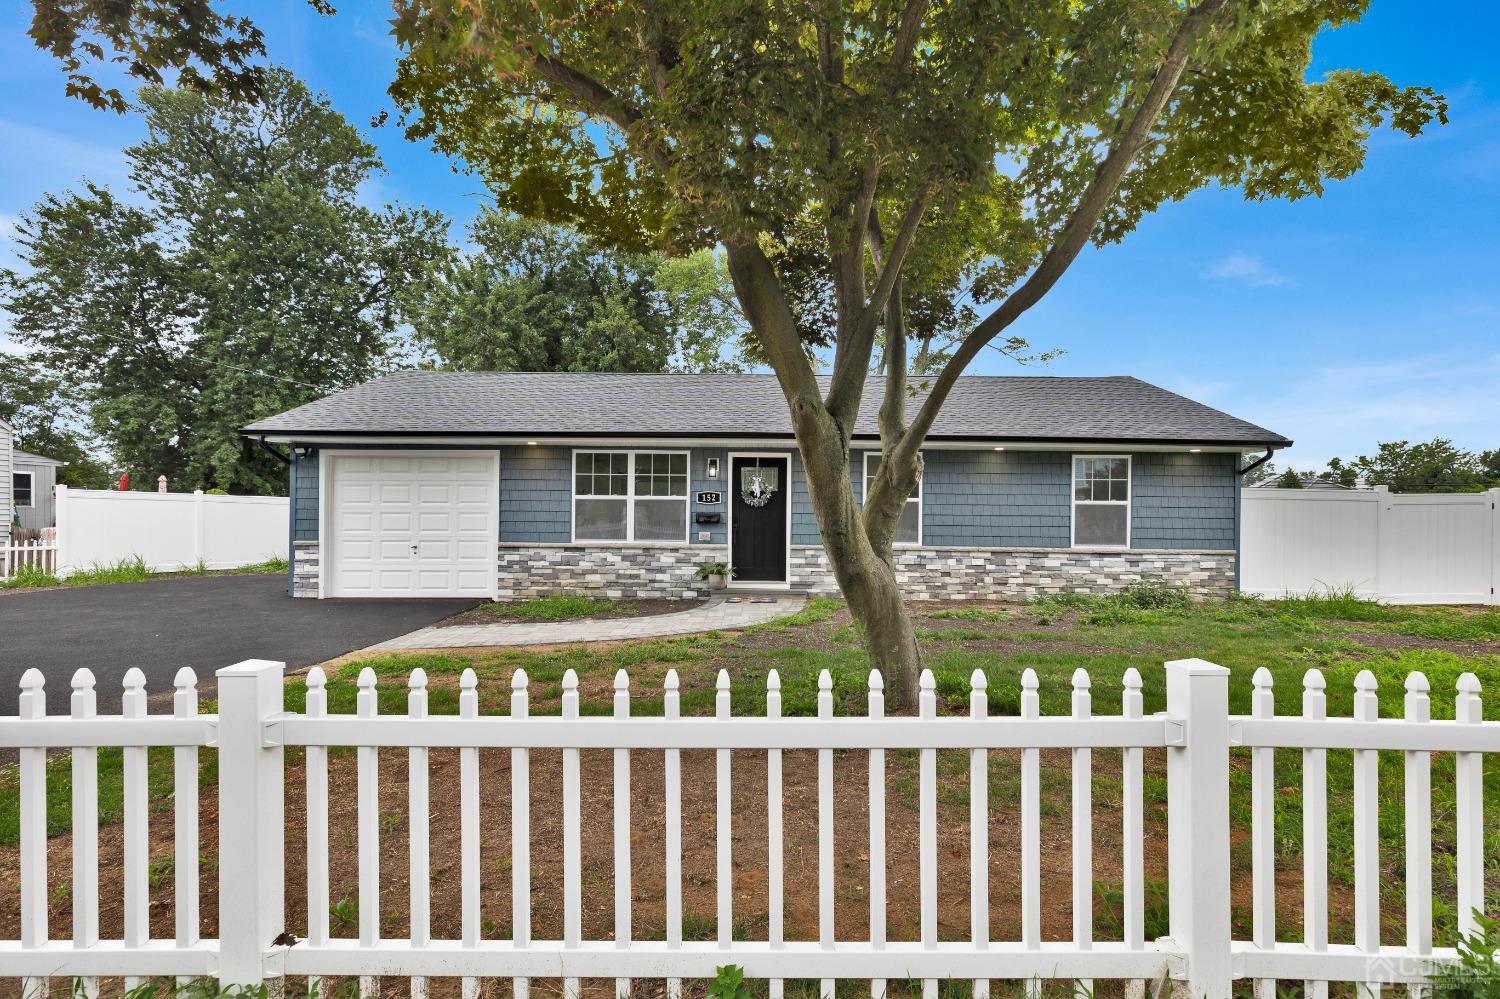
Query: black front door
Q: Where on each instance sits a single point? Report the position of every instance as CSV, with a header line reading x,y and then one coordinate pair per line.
x,y
759,489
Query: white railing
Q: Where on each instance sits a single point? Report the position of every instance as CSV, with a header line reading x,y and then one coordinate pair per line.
x,y
18,555
251,732
1402,548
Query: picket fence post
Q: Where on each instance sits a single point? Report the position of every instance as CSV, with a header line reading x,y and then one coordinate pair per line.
x,y
252,868
1198,824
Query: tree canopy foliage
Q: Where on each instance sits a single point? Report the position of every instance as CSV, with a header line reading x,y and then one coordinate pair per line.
x,y
534,296
1435,466
240,275
47,422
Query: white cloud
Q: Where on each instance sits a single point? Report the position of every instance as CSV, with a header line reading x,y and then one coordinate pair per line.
x,y
49,153
1247,268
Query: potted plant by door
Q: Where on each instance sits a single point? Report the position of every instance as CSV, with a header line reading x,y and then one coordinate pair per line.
x,y
716,573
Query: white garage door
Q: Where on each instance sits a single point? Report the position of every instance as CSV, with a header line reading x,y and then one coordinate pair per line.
x,y
413,525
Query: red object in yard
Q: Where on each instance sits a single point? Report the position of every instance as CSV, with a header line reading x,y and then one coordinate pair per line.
x,y
124,482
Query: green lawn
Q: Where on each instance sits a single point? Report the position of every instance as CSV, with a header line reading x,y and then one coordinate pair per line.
x,y
1054,636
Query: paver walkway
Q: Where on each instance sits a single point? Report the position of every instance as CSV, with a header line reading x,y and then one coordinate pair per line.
x,y
722,613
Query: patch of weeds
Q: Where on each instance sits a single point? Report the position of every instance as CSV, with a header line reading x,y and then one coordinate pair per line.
x,y
344,914
1154,594
968,614
816,609
391,821
560,607
1335,604
126,570
28,577
1109,910
159,871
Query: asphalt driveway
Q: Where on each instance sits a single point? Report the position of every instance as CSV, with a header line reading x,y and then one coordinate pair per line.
x,y
204,622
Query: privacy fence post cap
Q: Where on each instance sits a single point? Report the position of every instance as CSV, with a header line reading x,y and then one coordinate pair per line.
x,y
570,680
671,681
722,680
825,680
134,679
622,680
1263,678
1028,679
927,681
877,682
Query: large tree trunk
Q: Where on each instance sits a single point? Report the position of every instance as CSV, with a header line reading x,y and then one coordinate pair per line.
x,y
858,546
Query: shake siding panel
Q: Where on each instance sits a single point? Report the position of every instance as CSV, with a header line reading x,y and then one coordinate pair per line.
x,y
1183,500
305,500
536,494
996,499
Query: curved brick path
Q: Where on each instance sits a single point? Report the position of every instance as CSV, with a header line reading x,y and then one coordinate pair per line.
x,y
723,613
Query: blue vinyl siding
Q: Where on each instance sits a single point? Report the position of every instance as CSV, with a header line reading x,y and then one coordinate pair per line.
x,y
978,498
996,499
305,498
1182,500
536,494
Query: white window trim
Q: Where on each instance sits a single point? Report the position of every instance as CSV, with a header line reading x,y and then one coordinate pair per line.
x,y
917,499
629,497
1074,501
30,490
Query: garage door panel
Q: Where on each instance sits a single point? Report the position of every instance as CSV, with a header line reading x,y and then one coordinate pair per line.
x,y
444,505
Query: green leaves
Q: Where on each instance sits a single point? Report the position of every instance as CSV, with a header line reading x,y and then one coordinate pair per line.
x,y
539,297
240,276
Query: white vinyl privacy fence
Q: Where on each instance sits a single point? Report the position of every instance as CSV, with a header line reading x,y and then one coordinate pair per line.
x,y
251,734
1416,548
168,530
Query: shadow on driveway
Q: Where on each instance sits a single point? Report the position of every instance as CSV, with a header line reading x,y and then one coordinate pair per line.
x,y
204,622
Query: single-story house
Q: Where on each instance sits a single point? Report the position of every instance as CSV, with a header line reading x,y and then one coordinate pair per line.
x,y
514,485
26,482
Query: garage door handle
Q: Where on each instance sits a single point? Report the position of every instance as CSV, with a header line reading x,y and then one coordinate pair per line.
x,y
413,549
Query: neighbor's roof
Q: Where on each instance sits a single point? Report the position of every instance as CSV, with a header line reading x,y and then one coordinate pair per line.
x,y
536,404
27,458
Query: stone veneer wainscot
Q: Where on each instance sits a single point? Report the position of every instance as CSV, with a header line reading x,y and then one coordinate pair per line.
x,y
644,572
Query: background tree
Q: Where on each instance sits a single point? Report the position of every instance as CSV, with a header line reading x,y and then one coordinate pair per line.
x,y
1435,466
541,297
46,422
688,123
1289,480
1259,474
240,278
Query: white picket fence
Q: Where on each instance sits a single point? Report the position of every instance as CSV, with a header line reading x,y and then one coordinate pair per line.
x,y
1403,548
168,530
31,554
251,733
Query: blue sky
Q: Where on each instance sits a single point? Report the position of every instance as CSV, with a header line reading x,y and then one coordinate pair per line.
x,y
1370,314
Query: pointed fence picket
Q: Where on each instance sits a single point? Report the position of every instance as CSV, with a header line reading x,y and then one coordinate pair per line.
x,y
250,732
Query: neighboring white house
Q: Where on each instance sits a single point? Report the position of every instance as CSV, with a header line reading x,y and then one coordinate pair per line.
x,y
7,440
32,478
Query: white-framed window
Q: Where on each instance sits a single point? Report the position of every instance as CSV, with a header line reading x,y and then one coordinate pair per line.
x,y
909,527
630,496
21,485
1101,501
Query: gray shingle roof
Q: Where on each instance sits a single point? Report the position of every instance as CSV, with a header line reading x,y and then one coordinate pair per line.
x,y
503,403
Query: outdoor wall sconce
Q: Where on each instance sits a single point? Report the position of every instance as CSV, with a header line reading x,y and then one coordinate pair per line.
x,y
302,452
713,468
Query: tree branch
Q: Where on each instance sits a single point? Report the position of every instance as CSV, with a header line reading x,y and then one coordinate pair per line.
x,y
772,321
1080,225
589,92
